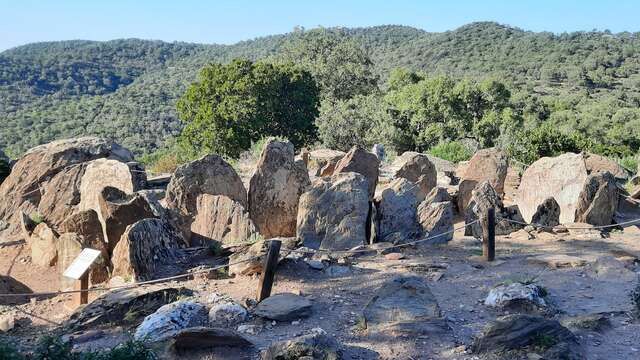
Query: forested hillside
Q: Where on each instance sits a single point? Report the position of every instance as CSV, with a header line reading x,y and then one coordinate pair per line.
x,y
127,89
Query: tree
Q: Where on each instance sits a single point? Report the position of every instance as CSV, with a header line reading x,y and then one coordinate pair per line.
x,y
232,105
339,64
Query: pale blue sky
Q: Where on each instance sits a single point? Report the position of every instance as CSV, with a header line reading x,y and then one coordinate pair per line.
x,y
25,21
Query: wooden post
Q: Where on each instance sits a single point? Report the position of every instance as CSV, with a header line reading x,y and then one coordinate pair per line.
x,y
489,235
268,270
81,298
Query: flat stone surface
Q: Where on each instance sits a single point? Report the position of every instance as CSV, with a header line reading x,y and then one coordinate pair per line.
x,y
284,307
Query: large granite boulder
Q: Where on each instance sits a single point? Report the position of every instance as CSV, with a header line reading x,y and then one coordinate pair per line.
x,y
52,174
362,162
561,177
333,213
43,246
485,165
102,173
396,211
119,210
208,175
584,191
418,169
146,248
598,200
221,219
274,190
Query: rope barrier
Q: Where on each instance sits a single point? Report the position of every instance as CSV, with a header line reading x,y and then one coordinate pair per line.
x,y
572,228
127,286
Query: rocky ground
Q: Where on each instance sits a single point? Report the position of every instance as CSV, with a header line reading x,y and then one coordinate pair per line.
x,y
583,273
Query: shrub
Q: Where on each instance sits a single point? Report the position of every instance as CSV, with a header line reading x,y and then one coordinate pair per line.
x,y
5,169
630,163
452,151
8,352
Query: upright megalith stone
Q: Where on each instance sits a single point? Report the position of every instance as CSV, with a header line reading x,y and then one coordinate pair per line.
x,y
221,219
275,188
598,200
485,165
547,214
362,162
418,169
208,175
145,247
333,213
43,246
397,205
119,210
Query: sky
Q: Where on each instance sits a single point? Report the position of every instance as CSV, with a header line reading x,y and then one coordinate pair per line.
x,y
226,22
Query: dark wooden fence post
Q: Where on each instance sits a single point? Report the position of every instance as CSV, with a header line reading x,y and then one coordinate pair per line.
x,y
269,270
489,235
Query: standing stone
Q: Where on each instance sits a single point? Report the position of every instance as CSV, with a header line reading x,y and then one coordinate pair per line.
x,y
397,206
362,162
85,224
207,175
598,200
144,249
417,168
101,173
436,220
378,151
34,175
600,164
274,190
43,246
221,219
483,198
547,214
119,210
485,165
68,246
332,215
561,177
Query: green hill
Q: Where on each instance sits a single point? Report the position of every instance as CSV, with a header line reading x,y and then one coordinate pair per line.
x,y
127,89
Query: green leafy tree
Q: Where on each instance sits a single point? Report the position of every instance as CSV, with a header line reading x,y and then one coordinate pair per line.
x,y
232,105
339,64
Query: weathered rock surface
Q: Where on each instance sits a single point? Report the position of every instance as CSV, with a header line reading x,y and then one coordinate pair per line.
x,y
485,165
207,175
324,158
333,213
436,220
27,225
314,345
599,164
169,319
516,332
195,338
418,169
33,177
598,200
404,305
250,261
221,219
563,178
547,214
136,303
119,210
378,151
482,199
225,312
101,173
43,246
518,297
145,247
362,162
283,307
274,190
397,211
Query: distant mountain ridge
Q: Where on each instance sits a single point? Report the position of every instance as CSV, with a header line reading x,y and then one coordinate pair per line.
x,y
126,89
